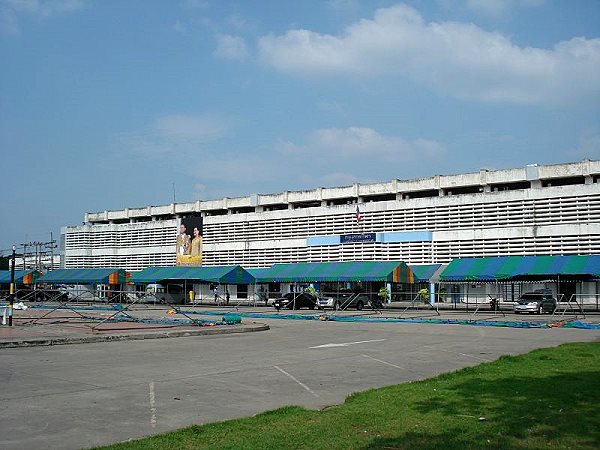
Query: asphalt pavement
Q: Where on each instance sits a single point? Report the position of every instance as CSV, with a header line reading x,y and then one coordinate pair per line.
x,y
77,396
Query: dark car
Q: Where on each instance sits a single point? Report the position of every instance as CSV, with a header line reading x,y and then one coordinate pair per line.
x,y
40,295
295,300
538,301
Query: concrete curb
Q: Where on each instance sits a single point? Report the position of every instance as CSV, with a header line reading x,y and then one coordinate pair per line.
x,y
35,342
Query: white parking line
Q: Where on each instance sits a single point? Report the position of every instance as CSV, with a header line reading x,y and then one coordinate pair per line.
x,y
455,353
384,362
346,344
475,357
152,405
297,381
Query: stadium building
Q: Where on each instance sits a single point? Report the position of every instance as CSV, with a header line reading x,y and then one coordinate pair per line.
x,y
532,210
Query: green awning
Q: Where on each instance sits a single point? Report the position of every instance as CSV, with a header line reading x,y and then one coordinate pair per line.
x,y
216,274
259,274
84,276
516,268
388,271
21,276
423,273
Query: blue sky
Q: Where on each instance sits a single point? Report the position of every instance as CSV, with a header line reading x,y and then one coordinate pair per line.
x,y
106,104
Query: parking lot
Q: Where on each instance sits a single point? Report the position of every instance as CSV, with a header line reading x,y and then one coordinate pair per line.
x,y
76,396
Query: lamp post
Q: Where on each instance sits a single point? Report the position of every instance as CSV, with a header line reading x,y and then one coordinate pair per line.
x,y
11,300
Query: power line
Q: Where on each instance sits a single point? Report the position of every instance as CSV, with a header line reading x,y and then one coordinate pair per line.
x,y
39,251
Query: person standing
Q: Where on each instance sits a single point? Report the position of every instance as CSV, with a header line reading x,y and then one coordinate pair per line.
x,y
196,244
183,241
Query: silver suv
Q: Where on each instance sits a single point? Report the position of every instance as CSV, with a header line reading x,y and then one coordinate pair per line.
x,y
343,300
538,301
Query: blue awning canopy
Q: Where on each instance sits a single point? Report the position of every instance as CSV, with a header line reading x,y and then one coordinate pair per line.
x,y
27,276
388,271
84,276
210,274
515,268
424,272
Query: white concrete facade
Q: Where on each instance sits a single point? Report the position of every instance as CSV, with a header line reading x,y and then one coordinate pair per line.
x,y
534,210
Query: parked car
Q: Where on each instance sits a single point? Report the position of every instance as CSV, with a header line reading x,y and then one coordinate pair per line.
x,y
158,293
295,300
538,301
40,295
343,300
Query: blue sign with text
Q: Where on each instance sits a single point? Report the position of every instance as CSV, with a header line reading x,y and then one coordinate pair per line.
x,y
361,237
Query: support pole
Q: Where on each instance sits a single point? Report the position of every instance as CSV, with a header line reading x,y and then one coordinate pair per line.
x,y
432,293
11,297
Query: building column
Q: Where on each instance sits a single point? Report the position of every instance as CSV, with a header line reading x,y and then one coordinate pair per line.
x,y
536,184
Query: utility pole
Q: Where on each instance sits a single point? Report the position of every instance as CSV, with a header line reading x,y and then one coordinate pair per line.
x,y
39,253
11,300
51,252
24,255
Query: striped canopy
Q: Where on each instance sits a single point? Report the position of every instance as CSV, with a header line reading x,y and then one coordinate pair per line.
x,y
522,268
260,275
424,272
389,271
85,276
21,276
216,274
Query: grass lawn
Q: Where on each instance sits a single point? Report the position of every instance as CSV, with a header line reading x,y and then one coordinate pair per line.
x,y
546,399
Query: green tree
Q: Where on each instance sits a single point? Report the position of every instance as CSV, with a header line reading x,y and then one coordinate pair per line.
x,y
384,294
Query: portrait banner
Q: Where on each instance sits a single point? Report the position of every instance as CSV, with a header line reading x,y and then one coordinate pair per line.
x,y
188,244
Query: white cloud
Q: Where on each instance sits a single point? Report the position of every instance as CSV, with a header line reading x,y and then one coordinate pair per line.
x,y
354,143
241,24
453,58
11,10
500,7
327,157
190,128
193,146
231,47
175,134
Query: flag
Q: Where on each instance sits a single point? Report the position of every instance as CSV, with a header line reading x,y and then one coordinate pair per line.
x,y
358,216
